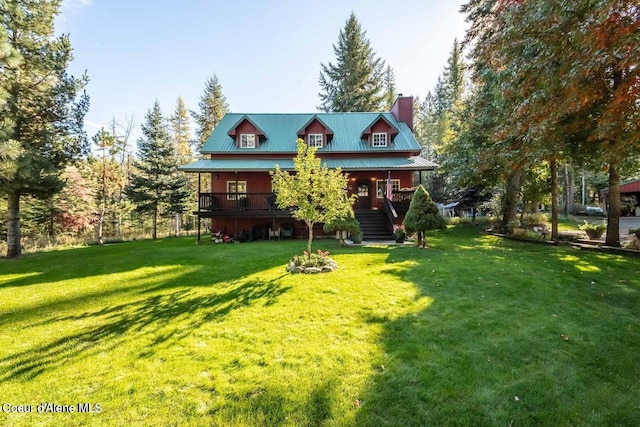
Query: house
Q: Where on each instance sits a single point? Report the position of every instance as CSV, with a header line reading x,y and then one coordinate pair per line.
x,y
373,148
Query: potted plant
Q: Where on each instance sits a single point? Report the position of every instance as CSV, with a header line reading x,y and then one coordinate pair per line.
x,y
342,226
399,233
594,230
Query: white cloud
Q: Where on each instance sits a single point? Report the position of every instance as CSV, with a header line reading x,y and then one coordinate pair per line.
x,y
76,4
93,124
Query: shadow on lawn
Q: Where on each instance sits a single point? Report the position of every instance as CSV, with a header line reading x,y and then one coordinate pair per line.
x,y
488,349
162,318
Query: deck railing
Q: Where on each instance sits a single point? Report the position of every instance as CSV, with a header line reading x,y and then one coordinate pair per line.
x,y
237,202
401,200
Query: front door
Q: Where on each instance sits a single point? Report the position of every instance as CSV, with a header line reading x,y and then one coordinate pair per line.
x,y
363,190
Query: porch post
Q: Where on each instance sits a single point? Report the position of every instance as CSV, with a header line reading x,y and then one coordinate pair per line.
x,y
199,189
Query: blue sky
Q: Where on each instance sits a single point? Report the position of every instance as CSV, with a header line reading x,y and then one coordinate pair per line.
x,y
266,54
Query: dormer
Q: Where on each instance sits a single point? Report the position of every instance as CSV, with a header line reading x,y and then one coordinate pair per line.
x,y
315,133
380,133
247,134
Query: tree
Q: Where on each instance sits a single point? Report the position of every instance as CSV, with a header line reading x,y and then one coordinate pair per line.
x,y
314,193
156,188
348,223
181,133
423,215
43,110
390,93
566,98
213,106
356,82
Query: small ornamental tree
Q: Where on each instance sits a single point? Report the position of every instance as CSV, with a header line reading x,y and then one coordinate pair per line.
x,y
348,223
423,215
314,192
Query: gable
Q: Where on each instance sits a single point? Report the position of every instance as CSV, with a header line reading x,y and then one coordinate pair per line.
x,y
380,126
315,126
244,128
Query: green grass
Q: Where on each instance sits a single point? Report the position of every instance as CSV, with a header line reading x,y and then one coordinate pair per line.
x,y
467,332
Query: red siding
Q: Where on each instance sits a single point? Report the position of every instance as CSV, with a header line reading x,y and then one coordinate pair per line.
x,y
246,127
630,187
402,110
405,177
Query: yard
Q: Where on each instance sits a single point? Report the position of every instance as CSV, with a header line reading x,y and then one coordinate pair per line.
x,y
474,330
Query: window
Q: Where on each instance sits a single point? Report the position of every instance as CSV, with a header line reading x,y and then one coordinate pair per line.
x,y
381,187
314,140
247,140
236,187
379,140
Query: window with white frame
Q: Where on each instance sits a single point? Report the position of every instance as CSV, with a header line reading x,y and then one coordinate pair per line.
x,y
234,187
247,140
314,140
381,187
379,140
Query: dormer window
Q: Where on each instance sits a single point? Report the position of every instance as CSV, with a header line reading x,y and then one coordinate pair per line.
x,y
314,140
379,140
247,140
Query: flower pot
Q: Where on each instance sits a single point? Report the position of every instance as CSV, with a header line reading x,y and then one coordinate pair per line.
x,y
594,234
400,239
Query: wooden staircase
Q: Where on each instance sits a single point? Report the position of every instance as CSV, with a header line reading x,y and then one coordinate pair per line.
x,y
374,224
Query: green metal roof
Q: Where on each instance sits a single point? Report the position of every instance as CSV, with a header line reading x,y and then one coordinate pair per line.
x,y
260,165
281,131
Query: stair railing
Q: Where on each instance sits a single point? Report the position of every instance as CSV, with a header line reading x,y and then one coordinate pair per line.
x,y
390,211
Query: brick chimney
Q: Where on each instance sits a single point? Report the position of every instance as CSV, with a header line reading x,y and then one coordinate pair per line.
x,y
402,110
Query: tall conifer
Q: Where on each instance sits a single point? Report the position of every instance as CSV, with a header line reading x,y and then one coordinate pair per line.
x,y
41,107
356,81
213,106
157,188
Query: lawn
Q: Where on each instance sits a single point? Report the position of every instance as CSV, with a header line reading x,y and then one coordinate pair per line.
x,y
472,331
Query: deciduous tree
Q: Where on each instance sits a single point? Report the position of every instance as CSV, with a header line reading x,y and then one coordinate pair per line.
x,y
314,193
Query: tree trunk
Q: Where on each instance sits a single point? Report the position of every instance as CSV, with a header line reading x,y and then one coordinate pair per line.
x,y
310,226
569,190
510,199
100,226
613,198
154,231
553,165
14,249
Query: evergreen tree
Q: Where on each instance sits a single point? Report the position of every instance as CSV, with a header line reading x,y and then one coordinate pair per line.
x,y
181,133
157,187
356,82
213,106
43,109
423,215
390,93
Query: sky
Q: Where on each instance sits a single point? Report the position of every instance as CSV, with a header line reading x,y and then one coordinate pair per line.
x,y
266,54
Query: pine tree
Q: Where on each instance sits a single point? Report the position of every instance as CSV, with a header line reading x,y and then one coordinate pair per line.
x,y
423,215
390,93
356,81
181,133
43,109
213,106
157,188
